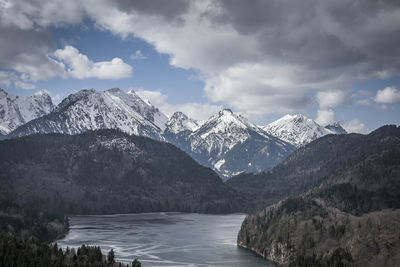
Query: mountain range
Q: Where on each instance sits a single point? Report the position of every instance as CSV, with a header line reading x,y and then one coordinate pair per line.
x,y
226,142
93,110
321,197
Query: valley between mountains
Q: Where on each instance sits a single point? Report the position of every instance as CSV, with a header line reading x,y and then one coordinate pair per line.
x,y
316,195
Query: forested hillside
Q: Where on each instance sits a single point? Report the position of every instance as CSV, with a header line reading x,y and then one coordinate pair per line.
x,y
350,214
357,165
108,171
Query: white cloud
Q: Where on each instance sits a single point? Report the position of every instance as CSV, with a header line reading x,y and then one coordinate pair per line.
x,y
331,99
10,79
6,78
42,13
80,66
137,55
261,57
272,66
198,111
22,85
355,126
257,89
325,117
389,95
156,98
364,102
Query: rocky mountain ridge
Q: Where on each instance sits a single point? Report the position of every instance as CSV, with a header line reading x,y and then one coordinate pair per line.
x,y
227,143
16,111
93,110
299,130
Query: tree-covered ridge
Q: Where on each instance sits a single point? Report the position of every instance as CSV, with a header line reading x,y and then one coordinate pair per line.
x,y
350,214
16,251
107,171
303,231
29,222
366,162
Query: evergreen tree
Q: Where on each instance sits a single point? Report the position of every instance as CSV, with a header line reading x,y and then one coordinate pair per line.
x,y
111,257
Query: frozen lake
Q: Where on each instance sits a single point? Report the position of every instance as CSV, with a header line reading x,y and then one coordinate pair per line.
x,y
164,239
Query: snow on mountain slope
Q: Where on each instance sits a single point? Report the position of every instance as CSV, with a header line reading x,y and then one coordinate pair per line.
x,y
180,122
223,131
229,144
145,108
299,130
336,128
15,111
92,110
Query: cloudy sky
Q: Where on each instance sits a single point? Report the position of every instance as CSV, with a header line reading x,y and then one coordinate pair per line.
x,y
330,60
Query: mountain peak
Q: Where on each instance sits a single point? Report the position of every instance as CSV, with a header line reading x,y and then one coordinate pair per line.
x,y
3,92
296,129
336,128
72,98
179,115
92,110
225,111
219,141
298,118
180,122
41,93
115,90
16,111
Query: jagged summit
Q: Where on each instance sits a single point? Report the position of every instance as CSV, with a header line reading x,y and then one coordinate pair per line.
x,y
228,143
336,128
16,111
300,130
225,111
229,124
180,122
92,110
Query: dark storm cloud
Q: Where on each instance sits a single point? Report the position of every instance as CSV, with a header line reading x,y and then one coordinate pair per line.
x,y
169,10
328,34
16,43
269,52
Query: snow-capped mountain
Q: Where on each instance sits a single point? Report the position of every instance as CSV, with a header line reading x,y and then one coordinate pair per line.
x,y
228,143
145,108
92,110
299,130
336,128
180,122
15,111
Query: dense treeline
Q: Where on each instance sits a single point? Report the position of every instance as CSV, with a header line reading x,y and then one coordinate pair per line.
x,y
339,258
349,215
363,162
107,171
29,221
16,251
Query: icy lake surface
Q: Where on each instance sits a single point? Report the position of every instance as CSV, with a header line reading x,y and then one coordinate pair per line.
x,y
164,239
